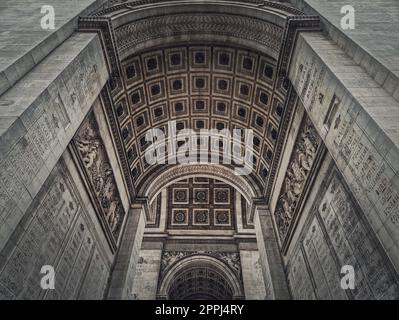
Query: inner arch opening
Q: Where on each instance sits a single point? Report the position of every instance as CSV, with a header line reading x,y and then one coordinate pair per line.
x,y
200,277
200,283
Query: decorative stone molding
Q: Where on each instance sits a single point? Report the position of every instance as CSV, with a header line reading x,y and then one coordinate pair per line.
x,y
289,108
103,26
294,25
231,259
265,34
109,109
171,257
152,187
114,6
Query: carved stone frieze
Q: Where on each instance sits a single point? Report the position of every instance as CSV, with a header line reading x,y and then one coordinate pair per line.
x,y
251,29
302,160
231,259
170,257
96,164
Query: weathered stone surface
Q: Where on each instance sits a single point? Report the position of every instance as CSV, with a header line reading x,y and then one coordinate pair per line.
x,y
123,275
252,276
146,278
46,108
334,235
55,231
362,137
372,43
23,42
272,265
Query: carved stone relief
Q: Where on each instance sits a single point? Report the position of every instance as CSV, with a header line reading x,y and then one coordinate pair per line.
x,y
300,165
56,231
231,259
101,179
335,235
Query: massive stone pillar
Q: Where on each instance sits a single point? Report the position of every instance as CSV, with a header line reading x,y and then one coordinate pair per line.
x,y
252,273
356,117
272,265
124,269
147,271
46,217
40,115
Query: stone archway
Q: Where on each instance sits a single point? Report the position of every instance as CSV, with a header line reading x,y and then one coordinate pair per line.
x,y
160,73
200,277
225,174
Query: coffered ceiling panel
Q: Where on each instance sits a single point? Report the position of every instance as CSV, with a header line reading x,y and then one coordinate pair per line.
x,y
201,203
200,86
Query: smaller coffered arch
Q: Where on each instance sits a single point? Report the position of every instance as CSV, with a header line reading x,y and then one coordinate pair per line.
x,y
200,277
157,182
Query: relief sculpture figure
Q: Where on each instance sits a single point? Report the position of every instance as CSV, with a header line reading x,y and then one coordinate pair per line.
x,y
298,171
95,159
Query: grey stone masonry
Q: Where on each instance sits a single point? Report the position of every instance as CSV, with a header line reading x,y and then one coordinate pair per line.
x,y
359,123
374,42
23,42
38,118
128,255
147,272
274,277
252,275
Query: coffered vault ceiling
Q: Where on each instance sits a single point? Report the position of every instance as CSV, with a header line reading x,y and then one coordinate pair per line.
x,y
186,62
200,86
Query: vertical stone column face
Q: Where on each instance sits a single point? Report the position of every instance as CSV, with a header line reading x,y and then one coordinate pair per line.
x,y
357,119
128,255
147,272
272,265
46,217
38,124
252,275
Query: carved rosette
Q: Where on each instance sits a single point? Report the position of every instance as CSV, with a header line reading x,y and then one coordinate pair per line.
x,y
295,181
100,177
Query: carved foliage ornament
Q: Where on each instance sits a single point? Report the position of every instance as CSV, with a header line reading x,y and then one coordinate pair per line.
x,y
298,171
231,259
94,158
